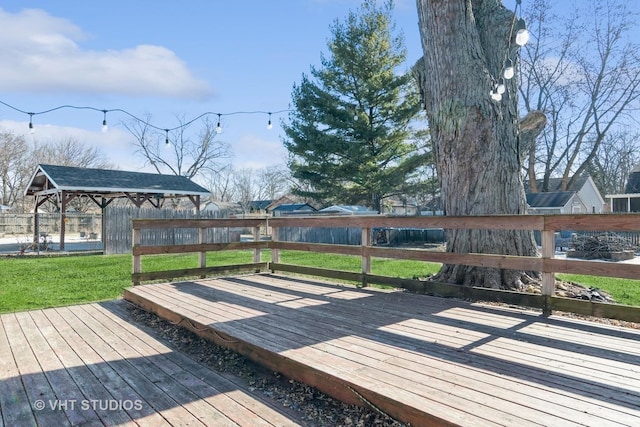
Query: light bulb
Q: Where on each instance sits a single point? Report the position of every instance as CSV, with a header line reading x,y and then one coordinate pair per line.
x,y
31,129
509,71
500,87
166,138
522,34
218,126
269,125
104,122
495,96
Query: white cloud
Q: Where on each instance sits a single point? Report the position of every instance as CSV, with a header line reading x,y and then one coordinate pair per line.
x,y
254,152
40,52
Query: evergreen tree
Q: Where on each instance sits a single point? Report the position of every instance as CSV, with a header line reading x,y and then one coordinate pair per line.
x,y
349,136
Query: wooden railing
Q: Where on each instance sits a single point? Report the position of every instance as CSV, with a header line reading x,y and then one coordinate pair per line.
x,y
546,263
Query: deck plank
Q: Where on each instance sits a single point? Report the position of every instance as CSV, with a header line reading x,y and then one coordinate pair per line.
x,y
87,354
15,407
448,361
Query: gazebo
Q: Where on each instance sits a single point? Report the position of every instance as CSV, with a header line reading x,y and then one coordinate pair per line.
x,y
62,184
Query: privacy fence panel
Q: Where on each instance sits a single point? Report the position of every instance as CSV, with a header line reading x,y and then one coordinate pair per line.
x,y
117,239
22,225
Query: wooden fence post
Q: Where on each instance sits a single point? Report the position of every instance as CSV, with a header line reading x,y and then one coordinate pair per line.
x,y
548,279
136,261
275,253
202,256
366,258
256,251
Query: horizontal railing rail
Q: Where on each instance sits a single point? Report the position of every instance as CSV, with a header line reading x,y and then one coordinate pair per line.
x,y
546,263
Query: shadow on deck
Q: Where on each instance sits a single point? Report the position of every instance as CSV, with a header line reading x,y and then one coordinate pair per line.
x,y
423,360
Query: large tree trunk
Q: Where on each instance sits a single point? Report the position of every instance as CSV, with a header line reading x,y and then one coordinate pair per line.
x,y
477,140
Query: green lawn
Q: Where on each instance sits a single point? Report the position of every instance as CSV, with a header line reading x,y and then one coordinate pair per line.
x,y
37,282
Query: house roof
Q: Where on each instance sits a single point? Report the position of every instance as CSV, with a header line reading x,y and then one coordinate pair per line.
x,y
349,209
555,184
556,199
293,207
260,204
49,179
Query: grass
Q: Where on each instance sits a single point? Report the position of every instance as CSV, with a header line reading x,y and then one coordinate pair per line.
x,y
623,291
38,282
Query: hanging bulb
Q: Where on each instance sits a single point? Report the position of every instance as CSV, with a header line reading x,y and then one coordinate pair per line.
x,y
218,126
522,34
500,87
509,71
31,129
495,96
269,125
355,116
104,122
166,138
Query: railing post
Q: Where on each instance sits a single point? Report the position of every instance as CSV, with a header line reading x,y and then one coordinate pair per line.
x,y
366,258
275,253
256,238
136,266
548,279
202,256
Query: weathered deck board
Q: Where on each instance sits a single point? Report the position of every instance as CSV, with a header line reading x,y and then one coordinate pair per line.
x,y
421,359
83,357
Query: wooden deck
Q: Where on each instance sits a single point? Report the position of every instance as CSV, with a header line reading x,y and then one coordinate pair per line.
x,y
423,360
90,365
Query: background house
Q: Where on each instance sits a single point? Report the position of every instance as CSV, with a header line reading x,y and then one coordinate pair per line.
x,y
582,197
629,201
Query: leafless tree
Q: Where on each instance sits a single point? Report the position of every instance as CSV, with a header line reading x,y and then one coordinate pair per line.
x,y
618,154
177,151
14,169
70,152
582,72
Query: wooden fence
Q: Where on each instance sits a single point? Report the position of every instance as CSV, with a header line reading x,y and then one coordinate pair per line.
x,y
21,225
118,231
548,225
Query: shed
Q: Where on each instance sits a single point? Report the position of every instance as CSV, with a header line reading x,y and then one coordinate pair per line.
x,y
61,184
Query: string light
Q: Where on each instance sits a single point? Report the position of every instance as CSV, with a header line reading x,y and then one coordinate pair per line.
x,y
218,128
166,138
509,71
522,35
104,122
31,129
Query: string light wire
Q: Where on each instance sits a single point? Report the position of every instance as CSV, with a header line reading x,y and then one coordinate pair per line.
x,y
151,125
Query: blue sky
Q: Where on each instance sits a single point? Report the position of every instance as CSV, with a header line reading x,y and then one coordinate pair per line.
x,y
165,58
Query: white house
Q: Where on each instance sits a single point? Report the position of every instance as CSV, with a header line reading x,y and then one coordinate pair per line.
x,y
582,197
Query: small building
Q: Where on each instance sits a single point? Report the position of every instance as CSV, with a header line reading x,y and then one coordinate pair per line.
x,y
583,197
629,201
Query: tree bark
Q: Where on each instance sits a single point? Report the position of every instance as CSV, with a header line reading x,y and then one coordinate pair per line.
x,y
479,147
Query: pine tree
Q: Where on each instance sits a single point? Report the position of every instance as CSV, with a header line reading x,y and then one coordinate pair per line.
x,y
349,136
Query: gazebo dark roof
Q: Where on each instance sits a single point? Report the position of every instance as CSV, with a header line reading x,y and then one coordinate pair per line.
x,y
53,178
